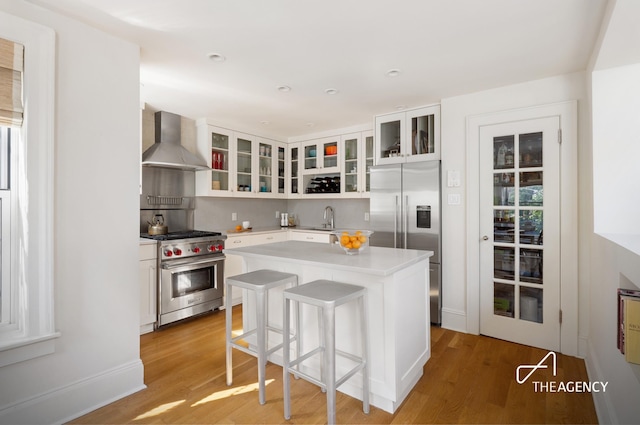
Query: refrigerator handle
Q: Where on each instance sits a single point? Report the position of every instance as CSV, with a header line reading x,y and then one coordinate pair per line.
x,y
395,225
405,230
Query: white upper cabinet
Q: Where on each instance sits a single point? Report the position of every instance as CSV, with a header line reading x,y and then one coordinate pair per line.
x,y
408,136
320,156
243,165
356,161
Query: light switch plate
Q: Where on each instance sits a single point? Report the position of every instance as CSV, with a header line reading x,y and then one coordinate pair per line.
x,y
234,216
453,199
453,178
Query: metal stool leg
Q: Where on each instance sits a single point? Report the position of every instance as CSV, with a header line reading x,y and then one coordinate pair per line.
x,y
285,358
261,313
229,326
329,355
365,353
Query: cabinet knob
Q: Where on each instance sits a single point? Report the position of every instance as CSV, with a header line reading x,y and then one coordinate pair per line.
x,y
485,238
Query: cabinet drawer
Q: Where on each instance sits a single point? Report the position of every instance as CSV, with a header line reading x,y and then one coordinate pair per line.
x,y
270,238
309,237
147,251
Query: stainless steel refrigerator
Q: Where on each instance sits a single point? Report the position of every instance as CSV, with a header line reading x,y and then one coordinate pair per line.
x,y
405,213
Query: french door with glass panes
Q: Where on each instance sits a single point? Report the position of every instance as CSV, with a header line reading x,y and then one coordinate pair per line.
x,y
520,232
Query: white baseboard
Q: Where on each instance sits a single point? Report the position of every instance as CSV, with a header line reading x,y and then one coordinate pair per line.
x,y
76,399
455,320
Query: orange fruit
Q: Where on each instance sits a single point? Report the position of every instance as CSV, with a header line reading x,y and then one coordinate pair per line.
x,y
345,233
362,239
348,246
353,238
238,227
344,240
358,233
356,244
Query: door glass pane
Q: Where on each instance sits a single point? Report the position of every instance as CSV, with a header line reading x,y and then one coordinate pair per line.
x,y
531,304
531,265
504,226
243,173
351,165
390,139
503,297
504,191
422,135
531,227
531,150
531,188
503,263
503,152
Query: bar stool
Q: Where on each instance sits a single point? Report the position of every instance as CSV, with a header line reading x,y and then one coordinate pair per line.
x,y
326,295
260,282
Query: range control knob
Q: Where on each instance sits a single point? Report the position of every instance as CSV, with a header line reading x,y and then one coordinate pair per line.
x,y
196,249
211,248
168,253
177,251
219,247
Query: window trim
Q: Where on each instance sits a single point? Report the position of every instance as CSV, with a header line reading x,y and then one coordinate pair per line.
x,y
34,333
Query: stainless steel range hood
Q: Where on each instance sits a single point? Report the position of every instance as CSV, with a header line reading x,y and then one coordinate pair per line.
x,y
167,151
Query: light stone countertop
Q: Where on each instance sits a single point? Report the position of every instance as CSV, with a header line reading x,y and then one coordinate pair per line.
x,y
373,260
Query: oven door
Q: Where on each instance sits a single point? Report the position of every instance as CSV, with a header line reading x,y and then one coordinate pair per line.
x,y
190,286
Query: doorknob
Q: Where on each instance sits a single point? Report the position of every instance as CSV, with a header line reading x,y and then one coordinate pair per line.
x,y
485,238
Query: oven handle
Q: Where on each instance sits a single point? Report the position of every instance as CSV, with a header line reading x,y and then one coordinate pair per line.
x,y
187,264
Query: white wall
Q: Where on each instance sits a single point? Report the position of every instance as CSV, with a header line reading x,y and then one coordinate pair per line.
x,y
457,314
96,359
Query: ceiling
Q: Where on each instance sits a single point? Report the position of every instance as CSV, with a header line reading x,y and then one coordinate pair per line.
x,y
442,48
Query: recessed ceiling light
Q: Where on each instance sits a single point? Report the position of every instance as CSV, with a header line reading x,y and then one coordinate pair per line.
x,y
216,57
393,73
284,89
331,91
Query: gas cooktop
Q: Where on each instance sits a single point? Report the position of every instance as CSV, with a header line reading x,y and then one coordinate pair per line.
x,y
186,234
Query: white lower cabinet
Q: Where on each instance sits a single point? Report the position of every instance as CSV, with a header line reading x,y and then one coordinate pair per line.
x,y
148,279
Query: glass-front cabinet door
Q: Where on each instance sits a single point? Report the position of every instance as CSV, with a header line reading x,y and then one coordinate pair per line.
x,y
368,159
351,164
320,156
266,151
282,162
295,159
217,146
244,163
408,136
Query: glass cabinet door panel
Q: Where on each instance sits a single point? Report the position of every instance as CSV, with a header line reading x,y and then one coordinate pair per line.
x,y
294,170
281,169
264,167
504,263
244,164
390,139
503,152
531,189
504,191
219,161
503,299
310,157
531,304
330,156
368,161
504,226
422,135
351,165
531,150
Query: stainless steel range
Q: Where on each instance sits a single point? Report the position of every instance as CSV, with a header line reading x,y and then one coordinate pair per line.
x,y
190,273
190,262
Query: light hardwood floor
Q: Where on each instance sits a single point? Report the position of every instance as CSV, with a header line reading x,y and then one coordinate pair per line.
x,y
469,379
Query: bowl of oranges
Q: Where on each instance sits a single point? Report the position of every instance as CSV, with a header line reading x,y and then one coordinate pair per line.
x,y
353,241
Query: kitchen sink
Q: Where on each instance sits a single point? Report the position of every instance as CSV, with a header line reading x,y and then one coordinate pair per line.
x,y
324,229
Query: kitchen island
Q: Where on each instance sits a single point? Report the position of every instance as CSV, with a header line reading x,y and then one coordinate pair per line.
x,y
397,283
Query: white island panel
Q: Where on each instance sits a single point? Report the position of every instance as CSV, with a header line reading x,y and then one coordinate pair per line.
x,y
397,283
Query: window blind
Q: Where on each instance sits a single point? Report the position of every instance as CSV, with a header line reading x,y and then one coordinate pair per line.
x,y
11,68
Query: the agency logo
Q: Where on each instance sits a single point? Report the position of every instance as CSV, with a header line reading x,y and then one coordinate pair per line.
x,y
550,361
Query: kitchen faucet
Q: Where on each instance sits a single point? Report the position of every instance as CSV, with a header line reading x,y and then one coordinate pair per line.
x,y
328,217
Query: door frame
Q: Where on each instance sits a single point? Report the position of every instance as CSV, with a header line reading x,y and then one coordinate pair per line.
x,y
567,113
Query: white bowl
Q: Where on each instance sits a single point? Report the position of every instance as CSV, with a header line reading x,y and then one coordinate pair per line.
x,y
358,240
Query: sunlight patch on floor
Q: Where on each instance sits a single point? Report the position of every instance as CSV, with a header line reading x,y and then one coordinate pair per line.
x,y
218,395
159,410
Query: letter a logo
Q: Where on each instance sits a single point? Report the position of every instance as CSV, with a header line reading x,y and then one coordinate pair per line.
x,y
535,367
